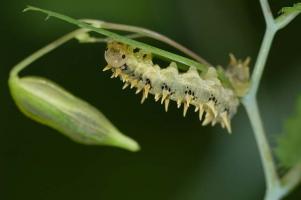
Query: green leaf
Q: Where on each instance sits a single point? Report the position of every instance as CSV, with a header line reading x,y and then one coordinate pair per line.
x,y
156,51
295,9
289,143
49,104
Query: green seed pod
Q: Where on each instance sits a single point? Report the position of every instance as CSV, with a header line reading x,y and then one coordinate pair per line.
x,y
51,105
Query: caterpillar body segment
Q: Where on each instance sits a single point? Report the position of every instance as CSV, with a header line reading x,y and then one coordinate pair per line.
x,y
215,103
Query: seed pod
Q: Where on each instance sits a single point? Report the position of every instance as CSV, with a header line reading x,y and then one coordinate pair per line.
x,y
49,104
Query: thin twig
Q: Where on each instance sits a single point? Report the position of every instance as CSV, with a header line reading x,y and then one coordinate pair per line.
x,y
154,50
271,177
291,179
267,13
284,20
43,51
276,189
250,103
92,39
261,60
147,33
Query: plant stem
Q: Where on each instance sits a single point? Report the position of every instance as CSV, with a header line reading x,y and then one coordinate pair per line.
x,y
284,20
261,61
276,188
291,179
92,39
156,51
269,167
43,51
250,103
147,33
266,10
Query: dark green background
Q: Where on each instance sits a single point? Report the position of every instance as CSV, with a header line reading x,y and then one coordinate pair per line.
x,y
180,159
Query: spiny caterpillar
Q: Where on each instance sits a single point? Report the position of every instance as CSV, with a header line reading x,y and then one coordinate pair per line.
x,y
204,91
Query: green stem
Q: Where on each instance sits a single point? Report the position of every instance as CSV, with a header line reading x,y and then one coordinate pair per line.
x,y
250,103
261,61
291,179
114,36
92,39
284,20
276,188
271,177
266,10
147,33
43,51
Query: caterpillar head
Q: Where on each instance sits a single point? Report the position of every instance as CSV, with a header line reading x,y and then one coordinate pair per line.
x,y
116,54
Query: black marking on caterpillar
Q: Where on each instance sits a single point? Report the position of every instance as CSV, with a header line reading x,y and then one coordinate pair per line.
x,y
136,69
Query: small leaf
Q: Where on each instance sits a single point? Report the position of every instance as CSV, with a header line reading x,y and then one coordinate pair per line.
x,y
289,143
295,9
51,105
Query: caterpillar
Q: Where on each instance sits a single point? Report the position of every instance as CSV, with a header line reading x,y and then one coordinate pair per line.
x,y
214,102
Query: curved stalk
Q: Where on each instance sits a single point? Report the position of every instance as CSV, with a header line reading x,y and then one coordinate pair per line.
x,y
269,167
156,51
291,179
92,39
275,187
147,33
43,51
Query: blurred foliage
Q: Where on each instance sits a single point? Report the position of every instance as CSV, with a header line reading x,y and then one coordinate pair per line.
x,y
289,149
180,160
